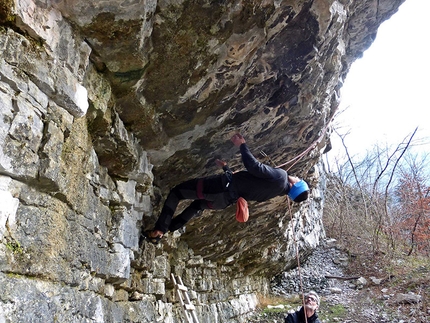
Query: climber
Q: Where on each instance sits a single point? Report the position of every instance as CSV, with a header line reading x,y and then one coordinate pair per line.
x,y
259,183
312,303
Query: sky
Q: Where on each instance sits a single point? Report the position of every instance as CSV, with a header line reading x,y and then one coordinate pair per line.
x,y
386,93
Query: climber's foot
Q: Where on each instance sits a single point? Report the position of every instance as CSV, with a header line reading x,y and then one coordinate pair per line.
x,y
153,236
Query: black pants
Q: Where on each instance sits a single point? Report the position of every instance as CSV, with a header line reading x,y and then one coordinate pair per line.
x,y
207,193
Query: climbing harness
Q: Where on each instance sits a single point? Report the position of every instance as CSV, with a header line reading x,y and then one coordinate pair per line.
x,y
187,307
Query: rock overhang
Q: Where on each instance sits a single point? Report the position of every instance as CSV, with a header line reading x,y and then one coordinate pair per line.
x,y
186,75
204,70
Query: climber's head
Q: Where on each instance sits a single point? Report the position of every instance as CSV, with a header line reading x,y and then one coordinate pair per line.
x,y
299,189
312,302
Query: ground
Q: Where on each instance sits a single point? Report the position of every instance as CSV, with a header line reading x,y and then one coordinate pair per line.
x,y
346,300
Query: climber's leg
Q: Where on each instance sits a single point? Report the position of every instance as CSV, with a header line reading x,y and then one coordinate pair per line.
x,y
186,190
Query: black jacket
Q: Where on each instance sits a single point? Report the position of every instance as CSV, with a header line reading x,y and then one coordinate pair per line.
x,y
259,182
299,317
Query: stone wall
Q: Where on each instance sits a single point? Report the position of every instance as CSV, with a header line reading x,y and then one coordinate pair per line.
x,y
76,180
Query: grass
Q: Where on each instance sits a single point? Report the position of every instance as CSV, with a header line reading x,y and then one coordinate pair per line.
x,y
15,247
332,313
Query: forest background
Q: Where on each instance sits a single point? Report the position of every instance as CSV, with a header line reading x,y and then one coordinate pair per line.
x,y
378,187
379,168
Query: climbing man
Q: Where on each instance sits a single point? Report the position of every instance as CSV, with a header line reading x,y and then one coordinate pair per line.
x,y
259,183
312,303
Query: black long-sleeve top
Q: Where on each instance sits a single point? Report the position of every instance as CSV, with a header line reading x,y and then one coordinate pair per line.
x,y
299,317
259,182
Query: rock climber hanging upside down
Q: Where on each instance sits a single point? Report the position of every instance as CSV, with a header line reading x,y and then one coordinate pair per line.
x,y
259,183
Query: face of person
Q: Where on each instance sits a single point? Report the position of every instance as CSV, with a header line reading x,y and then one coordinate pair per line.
x,y
293,180
311,302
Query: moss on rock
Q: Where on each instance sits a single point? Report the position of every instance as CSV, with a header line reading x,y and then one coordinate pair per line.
x,y
6,12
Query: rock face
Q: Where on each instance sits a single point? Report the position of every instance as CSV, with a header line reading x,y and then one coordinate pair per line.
x,y
105,105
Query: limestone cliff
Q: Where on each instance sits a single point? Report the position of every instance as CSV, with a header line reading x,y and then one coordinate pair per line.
x,y
105,105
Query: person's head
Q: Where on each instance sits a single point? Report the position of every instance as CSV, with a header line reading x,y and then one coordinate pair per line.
x,y
299,189
312,301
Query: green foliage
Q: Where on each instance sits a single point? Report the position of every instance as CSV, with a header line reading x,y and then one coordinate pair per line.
x,y
14,275
15,247
329,313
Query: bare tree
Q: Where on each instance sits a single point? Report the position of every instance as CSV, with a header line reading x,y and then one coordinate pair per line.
x,y
413,201
361,196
